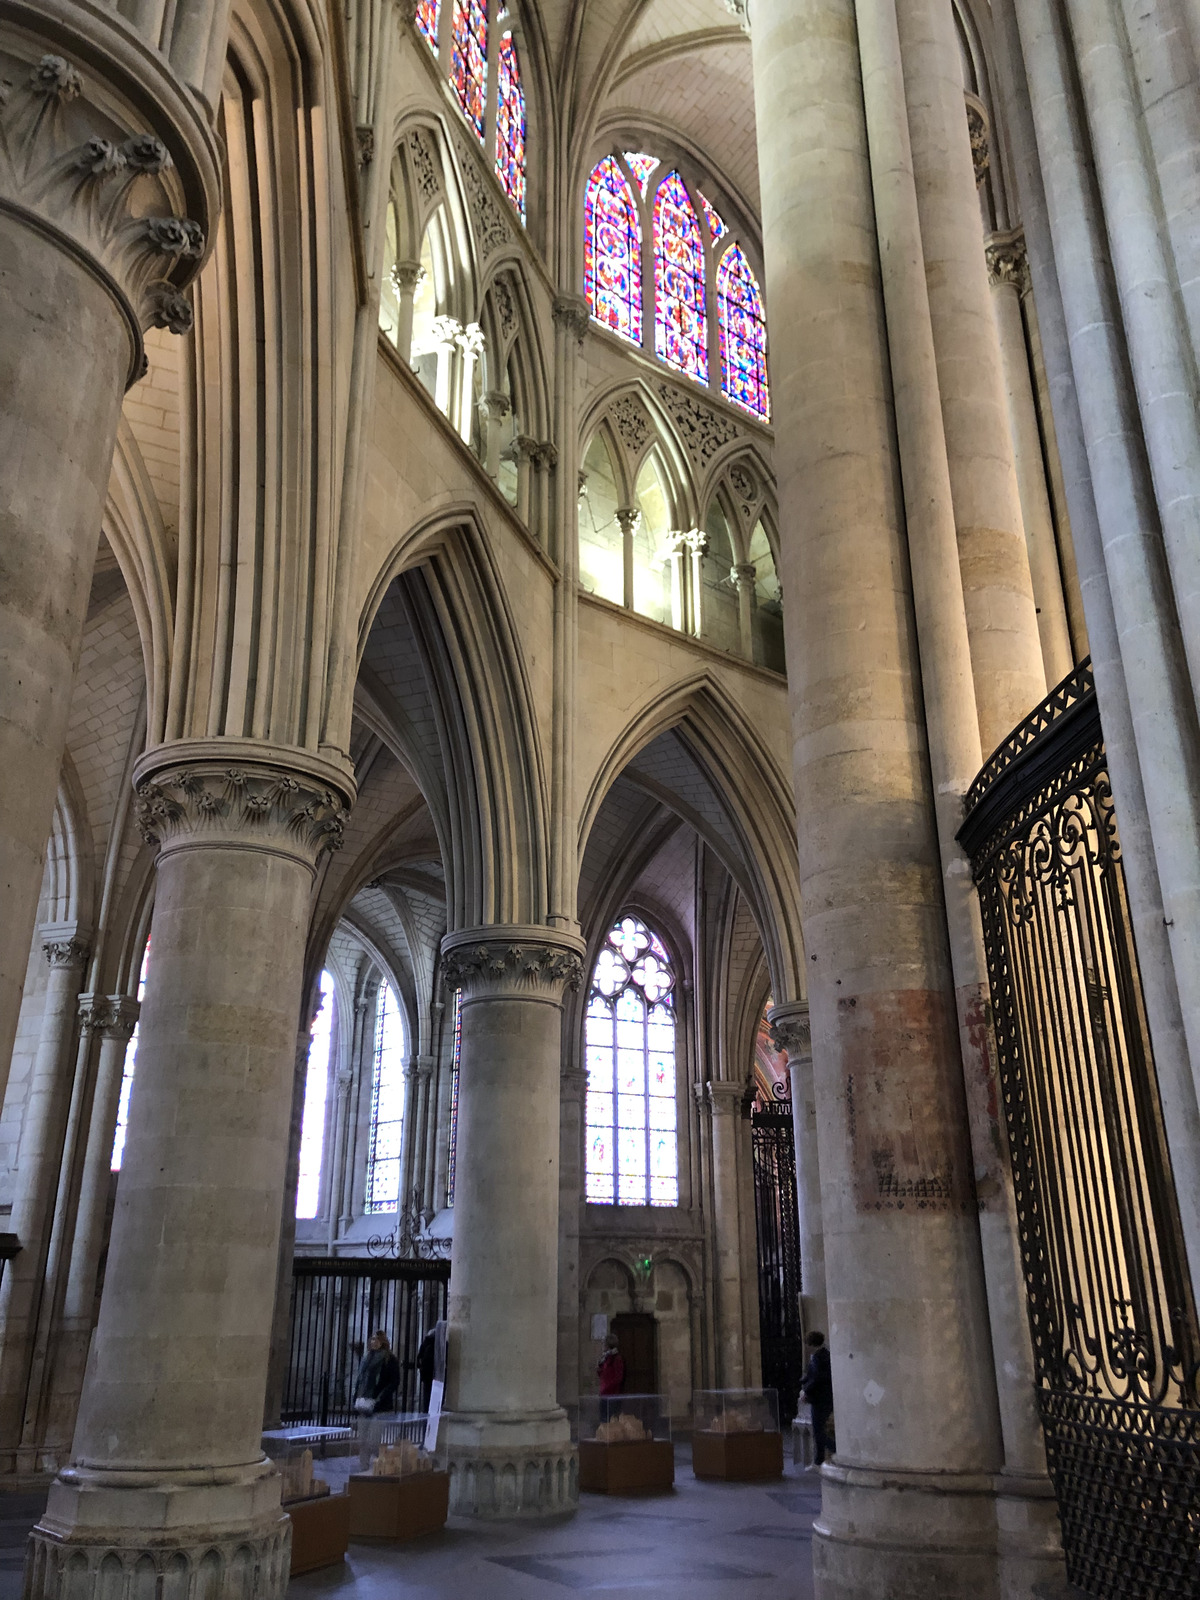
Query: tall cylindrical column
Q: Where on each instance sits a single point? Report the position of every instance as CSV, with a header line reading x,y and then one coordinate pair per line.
x,y
725,1101
1002,624
1008,272
908,1504
167,1470
570,1199
791,1032
508,1439
95,242
38,1160
112,1019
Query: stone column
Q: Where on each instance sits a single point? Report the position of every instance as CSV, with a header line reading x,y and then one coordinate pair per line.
x,y
168,1484
908,1504
725,1103
1008,273
105,160
470,343
407,277
38,1161
1006,653
791,1031
745,581
629,520
570,1202
524,449
696,541
507,1438
112,1020
494,408
444,333
545,459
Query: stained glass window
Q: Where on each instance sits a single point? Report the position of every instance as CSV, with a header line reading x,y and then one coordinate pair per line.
x,y
641,166
454,1061
510,124
716,226
316,1091
387,1106
680,324
427,21
127,1071
468,59
629,1035
612,252
743,333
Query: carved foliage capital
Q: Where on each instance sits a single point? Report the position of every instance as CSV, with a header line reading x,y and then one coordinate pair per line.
x,y
66,952
512,962
111,1016
251,803
104,187
791,1031
571,315
1007,261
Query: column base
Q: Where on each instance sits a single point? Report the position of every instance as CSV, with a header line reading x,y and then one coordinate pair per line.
x,y
219,1533
933,1536
506,1465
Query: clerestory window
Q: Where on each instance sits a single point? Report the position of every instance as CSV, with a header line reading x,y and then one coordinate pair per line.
x,y
387,1105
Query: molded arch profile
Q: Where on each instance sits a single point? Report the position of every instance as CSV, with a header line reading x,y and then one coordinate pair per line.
x,y
137,536
497,867
756,798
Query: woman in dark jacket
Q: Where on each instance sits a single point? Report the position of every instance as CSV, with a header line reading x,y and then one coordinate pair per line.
x,y
375,1391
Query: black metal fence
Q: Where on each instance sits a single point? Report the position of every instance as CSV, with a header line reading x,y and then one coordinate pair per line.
x,y
1109,1298
336,1306
778,1223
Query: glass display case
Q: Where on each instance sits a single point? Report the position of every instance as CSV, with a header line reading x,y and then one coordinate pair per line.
x,y
736,1434
299,1456
625,1444
402,1494
399,1457
320,1516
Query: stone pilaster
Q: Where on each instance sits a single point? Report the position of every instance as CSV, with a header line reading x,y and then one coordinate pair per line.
x,y
507,1439
167,1474
725,1104
791,1032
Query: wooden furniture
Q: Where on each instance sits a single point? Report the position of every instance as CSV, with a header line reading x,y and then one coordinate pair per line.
x,y
397,1508
320,1531
639,1467
737,1457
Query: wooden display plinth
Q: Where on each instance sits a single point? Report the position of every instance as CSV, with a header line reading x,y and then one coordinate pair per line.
x,y
320,1531
739,1457
397,1508
639,1467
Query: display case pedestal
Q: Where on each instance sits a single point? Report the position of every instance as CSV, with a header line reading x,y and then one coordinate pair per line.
x,y
638,1467
397,1508
320,1531
737,1457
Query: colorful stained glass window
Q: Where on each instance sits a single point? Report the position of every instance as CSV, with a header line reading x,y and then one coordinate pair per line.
x,y
629,1042
641,166
510,124
468,60
427,21
454,1063
316,1093
387,1106
612,252
680,324
716,224
743,334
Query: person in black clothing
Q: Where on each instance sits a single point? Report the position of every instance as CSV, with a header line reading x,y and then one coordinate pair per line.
x,y
425,1360
817,1389
375,1391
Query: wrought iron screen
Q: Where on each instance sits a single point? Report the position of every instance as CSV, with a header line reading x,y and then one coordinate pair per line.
x,y
336,1306
1109,1300
778,1224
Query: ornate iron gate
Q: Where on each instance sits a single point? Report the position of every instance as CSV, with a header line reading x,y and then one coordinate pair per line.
x,y
778,1222
1110,1306
336,1306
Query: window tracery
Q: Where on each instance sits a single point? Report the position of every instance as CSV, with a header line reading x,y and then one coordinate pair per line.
x,y
632,1142
613,252
743,334
510,124
680,320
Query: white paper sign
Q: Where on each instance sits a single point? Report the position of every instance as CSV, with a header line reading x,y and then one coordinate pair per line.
x,y
435,1413
599,1325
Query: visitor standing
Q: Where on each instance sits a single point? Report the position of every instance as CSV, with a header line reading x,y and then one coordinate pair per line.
x,y
817,1389
375,1392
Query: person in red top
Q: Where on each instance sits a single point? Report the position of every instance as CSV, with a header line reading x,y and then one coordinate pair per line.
x,y
611,1367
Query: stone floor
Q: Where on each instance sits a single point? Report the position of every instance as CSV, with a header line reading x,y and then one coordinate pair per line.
x,y
706,1541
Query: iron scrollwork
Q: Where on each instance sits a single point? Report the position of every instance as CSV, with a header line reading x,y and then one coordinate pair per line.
x,y
408,1240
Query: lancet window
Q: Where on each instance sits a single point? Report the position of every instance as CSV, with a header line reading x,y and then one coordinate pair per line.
x,y
469,60
316,1094
427,21
696,303
510,125
632,1143
387,1105
127,1072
